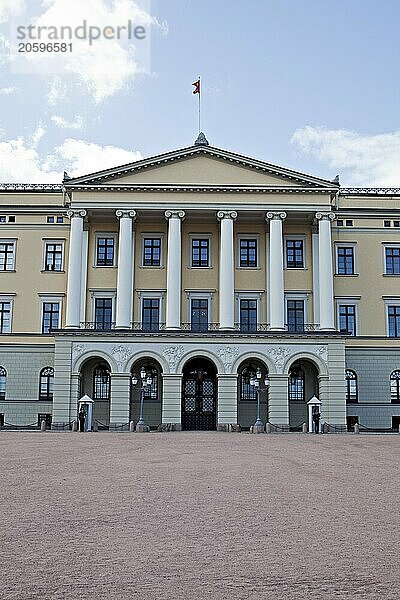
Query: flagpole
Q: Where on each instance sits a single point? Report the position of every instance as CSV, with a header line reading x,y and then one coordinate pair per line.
x,y
199,105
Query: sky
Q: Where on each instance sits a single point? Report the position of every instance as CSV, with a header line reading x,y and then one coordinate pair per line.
x,y
312,85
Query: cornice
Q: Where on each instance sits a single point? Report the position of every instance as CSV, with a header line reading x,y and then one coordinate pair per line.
x,y
370,191
31,187
209,189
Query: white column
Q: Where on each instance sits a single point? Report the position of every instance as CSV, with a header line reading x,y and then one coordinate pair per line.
x,y
315,267
72,318
276,288
174,269
226,270
326,304
85,246
123,313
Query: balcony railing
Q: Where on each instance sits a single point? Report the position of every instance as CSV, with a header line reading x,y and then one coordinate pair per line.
x,y
208,328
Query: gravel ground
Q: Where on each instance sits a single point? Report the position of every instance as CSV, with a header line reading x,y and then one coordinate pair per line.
x,y
199,515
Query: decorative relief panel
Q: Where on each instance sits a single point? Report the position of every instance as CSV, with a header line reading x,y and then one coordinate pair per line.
x,y
228,355
121,354
173,354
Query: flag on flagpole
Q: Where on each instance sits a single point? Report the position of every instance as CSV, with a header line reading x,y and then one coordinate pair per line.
x,y
196,86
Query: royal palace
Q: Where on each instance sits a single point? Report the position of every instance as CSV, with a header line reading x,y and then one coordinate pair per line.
x,y
195,288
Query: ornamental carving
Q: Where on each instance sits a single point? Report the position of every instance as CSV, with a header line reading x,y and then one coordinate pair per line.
x,y
227,214
279,355
79,349
121,354
173,354
324,216
126,214
322,351
275,216
228,355
174,214
73,214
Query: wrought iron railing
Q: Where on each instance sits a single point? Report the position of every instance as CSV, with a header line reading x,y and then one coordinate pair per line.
x,y
199,327
98,325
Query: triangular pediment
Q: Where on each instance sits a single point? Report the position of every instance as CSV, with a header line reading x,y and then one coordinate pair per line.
x,y
204,166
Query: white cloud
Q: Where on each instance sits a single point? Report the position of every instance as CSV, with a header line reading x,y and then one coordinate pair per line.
x,y
57,91
107,65
366,160
37,135
7,91
77,123
10,8
21,162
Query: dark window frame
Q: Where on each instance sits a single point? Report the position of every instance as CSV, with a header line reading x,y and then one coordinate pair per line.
x,y
393,316
345,313
103,308
3,383
200,253
50,316
104,244
294,253
152,248
101,383
46,382
3,312
5,254
248,314
53,256
151,314
296,384
295,310
248,253
199,308
392,260
351,387
395,386
345,260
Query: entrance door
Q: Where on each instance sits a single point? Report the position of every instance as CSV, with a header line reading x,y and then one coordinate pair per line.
x,y
199,396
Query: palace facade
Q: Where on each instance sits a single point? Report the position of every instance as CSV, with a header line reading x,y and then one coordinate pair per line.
x,y
187,284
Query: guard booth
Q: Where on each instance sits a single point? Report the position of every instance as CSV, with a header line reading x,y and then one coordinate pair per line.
x,y
314,405
86,403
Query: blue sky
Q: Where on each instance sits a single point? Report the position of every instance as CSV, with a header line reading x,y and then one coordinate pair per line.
x,y
313,85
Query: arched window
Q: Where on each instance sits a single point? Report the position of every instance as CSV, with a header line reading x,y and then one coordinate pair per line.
x,y
351,386
3,379
101,383
247,391
395,387
296,385
46,384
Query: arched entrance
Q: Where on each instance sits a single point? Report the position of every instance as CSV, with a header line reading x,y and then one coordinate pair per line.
x,y
199,395
302,386
247,393
151,388
96,383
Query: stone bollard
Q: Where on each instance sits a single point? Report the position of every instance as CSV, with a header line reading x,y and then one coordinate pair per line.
x,y
142,428
43,425
268,428
74,425
95,427
325,428
356,428
131,426
304,428
258,428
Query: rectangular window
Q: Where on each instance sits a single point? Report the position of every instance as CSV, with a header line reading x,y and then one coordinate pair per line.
x,y
248,315
347,319
394,321
345,260
339,222
248,253
396,223
60,220
199,314
200,253
105,251
150,314
295,315
152,252
349,223
50,219
103,313
53,257
386,223
3,219
5,317
7,256
294,254
392,261
50,316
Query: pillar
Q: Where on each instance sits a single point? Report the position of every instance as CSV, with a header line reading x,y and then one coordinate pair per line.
x,y
120,401
72,319
172,399
226,271
123,314
276,283
174,269
326,303
278,400
227,399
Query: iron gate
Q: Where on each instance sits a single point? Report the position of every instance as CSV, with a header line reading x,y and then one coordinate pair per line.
x,y
199,401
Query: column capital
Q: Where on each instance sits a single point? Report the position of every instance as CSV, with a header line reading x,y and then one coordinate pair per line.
x,y
275,216
320,216
126,214
227,214
71,214
174,214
